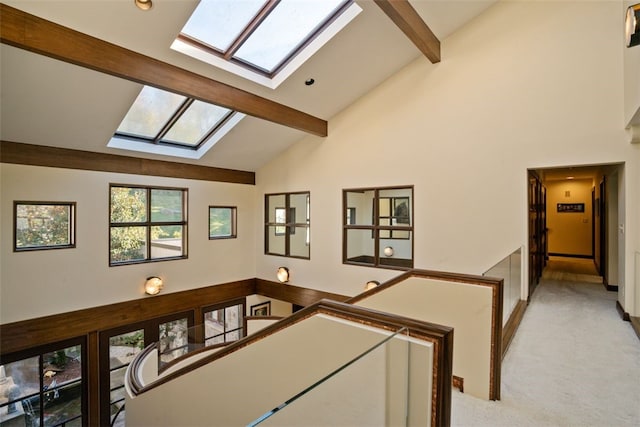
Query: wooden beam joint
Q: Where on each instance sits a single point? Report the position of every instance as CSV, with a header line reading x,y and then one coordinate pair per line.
x,y
407,19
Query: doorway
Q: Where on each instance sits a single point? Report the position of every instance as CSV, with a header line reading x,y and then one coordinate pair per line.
x,y
573,215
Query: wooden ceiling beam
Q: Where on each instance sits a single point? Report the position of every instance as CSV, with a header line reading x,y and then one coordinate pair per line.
x,y
28,32
407,19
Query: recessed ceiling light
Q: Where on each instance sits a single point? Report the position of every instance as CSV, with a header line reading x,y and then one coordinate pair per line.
x,y
309,82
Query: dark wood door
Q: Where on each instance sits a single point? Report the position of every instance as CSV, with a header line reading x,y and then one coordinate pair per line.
x,y
537,230
602,262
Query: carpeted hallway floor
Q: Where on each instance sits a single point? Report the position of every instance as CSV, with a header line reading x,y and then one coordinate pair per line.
x,y
573,361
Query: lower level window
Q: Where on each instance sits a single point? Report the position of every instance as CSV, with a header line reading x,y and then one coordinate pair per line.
x,y
224,323
44,386
147,224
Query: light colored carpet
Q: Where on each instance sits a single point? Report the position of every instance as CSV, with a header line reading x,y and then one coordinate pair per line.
x,y
573,362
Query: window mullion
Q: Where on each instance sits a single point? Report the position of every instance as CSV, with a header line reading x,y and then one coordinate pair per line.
x,y
148,224
173,119
287,220
215,129
268,7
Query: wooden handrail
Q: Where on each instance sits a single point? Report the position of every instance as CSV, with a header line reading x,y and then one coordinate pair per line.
x,y
136,365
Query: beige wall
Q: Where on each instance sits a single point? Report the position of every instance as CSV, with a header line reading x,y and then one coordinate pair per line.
x,y
463,306
530,84
569,232
278,308
38,283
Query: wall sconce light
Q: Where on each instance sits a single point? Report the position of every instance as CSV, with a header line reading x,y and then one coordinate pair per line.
x,y
153,285
283,274
632,25
143,4
371,284
388,251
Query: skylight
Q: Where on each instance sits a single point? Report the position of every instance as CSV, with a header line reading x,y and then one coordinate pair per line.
x,y
162,122
264,41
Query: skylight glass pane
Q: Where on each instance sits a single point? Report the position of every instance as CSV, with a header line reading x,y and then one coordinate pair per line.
x,y
218,23
290,24
150,112
195,123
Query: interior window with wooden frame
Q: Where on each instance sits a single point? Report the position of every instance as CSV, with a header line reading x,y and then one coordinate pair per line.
x,y
43,225
222,222
146,224
378,227
287,224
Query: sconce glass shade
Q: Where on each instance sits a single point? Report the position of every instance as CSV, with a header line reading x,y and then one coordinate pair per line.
x,y
388,251
283,274
143,4
632,26
153,285
371,284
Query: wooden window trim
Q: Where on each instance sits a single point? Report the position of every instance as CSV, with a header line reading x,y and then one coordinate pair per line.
x,y
376,228
148,224
234,222
223,306
40,351
72,226
247,31
289,225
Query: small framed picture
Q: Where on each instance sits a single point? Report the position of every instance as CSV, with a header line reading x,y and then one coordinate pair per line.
x,y
262,309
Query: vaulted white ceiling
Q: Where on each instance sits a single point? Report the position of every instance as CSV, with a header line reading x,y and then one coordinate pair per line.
x,y
48,102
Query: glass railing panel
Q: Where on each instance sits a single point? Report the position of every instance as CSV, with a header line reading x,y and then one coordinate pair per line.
x,y
509,269
181,341
388,383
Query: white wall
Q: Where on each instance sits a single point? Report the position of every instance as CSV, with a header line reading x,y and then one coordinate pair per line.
x,y
39,283
525,85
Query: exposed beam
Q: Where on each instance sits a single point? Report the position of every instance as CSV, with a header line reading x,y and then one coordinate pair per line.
x,y
408,20
38,35
39,155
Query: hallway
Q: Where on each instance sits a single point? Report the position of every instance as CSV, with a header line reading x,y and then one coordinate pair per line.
x,y
571,269
572,362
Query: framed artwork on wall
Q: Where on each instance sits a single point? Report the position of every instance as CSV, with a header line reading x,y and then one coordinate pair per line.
x,y
262,309
570,207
